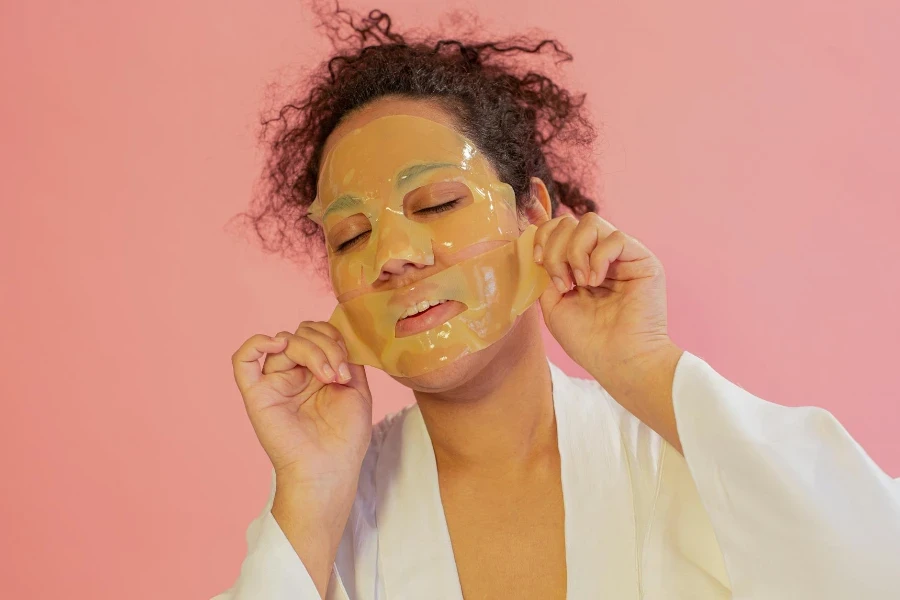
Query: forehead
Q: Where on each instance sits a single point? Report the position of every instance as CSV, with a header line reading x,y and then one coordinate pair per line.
x,y
393,150
385,107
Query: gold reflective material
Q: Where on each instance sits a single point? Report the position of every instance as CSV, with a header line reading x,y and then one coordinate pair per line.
x,y
496,286
371,170
371,183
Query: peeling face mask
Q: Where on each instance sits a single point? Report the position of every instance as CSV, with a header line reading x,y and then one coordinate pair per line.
x,y
404,187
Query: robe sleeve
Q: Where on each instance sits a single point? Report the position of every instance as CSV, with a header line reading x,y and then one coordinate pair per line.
x,y
271,570
798,508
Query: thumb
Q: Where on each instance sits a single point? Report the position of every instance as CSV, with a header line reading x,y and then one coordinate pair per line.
x,y
549,299
358,380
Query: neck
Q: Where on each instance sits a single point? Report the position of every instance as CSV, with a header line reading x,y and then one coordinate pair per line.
x,y
502,418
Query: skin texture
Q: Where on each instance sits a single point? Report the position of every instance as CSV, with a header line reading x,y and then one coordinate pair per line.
x,y
489,414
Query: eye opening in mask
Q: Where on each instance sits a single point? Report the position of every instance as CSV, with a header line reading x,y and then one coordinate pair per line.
x,y
435,198
349,232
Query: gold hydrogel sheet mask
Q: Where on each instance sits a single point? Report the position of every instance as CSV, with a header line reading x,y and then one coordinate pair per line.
x,y
372,169
496,286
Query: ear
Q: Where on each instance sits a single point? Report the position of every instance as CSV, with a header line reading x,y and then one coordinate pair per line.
x,y
540,209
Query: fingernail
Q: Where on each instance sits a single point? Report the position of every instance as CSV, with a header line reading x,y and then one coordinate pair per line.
x,y
329,372
560,285
595,279
344,370
579,278
538,253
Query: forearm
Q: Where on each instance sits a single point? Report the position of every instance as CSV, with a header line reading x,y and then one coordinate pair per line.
x,y
313,521
643,386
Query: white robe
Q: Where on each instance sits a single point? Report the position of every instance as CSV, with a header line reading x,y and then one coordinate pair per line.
x,y
767,503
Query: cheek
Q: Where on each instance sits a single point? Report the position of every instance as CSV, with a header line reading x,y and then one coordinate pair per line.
x,y
346,278
490,217
447,259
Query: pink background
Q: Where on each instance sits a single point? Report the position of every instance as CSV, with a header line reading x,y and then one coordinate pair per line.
x,y
753,146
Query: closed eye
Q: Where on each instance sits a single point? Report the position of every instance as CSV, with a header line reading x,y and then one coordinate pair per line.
x,y
352,241
439,208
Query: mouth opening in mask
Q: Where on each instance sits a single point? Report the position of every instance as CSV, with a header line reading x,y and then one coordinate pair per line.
x,y
426,315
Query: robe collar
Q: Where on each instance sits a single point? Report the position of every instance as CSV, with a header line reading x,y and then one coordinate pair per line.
x,y
415,556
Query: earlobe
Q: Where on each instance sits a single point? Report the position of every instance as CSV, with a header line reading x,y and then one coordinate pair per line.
x,y
540,209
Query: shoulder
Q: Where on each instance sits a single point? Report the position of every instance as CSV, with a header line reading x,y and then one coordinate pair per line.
x,y
381,431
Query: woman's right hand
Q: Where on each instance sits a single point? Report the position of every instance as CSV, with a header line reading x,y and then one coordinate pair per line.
x,y
310,408
312,412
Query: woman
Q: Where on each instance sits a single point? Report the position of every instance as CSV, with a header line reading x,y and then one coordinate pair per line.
x,y
433,175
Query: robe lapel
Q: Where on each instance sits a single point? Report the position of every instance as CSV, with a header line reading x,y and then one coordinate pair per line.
x,y
601,559
414,550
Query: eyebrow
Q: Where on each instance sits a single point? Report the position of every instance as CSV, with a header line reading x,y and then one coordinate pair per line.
x,y
345,202
416,170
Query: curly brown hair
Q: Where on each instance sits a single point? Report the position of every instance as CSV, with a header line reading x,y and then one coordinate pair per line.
x,y
525,123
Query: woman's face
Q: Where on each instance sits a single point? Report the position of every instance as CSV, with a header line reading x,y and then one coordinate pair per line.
x,y
404,196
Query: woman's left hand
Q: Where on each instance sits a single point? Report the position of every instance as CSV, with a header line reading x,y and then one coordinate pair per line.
x,y
608,307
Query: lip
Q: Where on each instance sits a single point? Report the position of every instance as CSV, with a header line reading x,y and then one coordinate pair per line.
x,y
413,294
429,319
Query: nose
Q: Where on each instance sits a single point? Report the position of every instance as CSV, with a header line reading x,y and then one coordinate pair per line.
x,y
399,266
399,246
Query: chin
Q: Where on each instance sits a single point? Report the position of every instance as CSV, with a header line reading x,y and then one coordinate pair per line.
x,y
455,375
463,370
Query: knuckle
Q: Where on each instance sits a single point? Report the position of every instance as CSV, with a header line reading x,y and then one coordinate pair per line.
x,y
577,258
587,221
556,268
316,350
330,330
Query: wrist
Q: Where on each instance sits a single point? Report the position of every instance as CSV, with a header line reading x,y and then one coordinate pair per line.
x,y
642,384
314,504
634,372
313,521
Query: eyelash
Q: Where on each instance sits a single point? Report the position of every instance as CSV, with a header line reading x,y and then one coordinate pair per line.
x,y
439,208
431,210
344,245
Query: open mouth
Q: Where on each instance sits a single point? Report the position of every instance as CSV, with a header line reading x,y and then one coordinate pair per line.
x,y
426,315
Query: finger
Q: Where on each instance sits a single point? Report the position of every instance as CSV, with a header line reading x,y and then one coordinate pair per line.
x,y
307,354
541,235
333,332
630,270
633,250
278,362
604,227
556,254
323,327
337,356
549,298
328,329
578,252
245,360
358,381
357,373
607,251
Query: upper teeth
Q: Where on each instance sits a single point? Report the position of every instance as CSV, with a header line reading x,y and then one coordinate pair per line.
x,y
420,307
